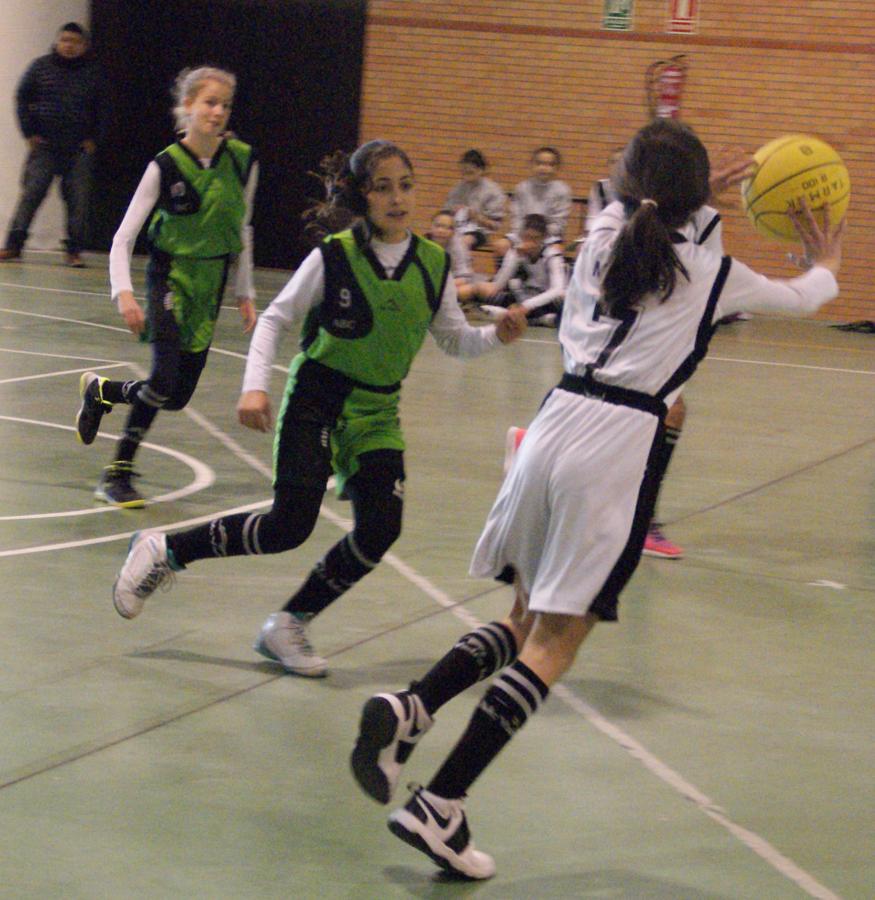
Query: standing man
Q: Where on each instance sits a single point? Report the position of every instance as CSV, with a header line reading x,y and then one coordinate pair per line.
x,y
60,114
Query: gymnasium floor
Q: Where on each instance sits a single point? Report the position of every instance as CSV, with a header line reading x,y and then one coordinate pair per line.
x,y
717,743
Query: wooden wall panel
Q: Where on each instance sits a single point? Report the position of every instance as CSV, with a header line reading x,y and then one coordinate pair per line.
x,y
443,76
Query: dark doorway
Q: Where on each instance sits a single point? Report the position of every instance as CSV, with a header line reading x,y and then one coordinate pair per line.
x,y
298,64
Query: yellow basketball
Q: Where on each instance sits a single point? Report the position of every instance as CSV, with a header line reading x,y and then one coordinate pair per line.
x,y
788,170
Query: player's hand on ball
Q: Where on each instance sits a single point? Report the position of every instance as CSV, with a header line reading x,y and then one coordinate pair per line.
x,y
253,410
512,325
731,173
822,243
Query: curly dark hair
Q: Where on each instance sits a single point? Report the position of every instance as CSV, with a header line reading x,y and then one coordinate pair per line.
x,y
345,178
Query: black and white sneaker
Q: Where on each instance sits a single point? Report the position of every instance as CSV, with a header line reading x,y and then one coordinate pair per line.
x,y
93,407
438,828
391,725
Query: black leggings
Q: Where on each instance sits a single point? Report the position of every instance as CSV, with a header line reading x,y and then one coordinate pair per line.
x,y
376,492
170,385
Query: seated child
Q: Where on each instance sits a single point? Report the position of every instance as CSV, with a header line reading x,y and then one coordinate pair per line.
x,y
443,232
533,274
544,193
477,202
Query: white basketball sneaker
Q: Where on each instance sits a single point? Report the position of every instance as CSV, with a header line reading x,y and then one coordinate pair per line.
x,y
390,727
283,638
146,568
438,828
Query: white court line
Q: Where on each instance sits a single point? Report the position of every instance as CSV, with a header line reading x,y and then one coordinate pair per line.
x,y
729,359
746,362
18,312
94,359
762,848
48,290
780,365
204,476
53,374
124,535
105,295
33,315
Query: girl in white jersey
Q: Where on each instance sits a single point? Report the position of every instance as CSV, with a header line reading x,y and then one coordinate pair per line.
x,y
571,516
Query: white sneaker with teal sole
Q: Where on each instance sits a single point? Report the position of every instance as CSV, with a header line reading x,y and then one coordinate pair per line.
x,y
147,568
283,638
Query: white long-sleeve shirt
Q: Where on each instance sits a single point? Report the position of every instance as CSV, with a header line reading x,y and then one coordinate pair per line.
x,y
645,350
305,290
143,202
545,278
551,199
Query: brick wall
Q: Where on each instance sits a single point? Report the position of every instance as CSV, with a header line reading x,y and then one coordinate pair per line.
x,y
442,76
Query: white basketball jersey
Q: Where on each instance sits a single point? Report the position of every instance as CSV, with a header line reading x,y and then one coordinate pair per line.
x,y
651,349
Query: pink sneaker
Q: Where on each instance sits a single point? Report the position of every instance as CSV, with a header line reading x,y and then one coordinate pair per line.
x,y
657,544
511,445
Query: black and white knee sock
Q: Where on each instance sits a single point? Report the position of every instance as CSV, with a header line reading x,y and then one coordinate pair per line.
x,y
512,699
120,391
144,407
475,656
341,567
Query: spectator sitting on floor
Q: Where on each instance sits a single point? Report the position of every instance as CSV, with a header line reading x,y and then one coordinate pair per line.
x,y
543,193
532,274
477,202
470,285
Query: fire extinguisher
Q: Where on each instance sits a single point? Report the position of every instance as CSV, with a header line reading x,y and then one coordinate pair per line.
x,y
665,81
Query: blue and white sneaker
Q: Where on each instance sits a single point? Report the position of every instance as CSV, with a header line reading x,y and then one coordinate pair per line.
x,y
438,828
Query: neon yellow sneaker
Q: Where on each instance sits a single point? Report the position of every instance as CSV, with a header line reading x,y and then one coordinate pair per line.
x,y
115,486
93,406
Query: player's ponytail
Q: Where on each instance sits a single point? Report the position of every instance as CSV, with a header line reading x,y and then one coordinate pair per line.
x,y
642,262
662,179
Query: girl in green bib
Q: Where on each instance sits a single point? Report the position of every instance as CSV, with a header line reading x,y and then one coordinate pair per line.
x,y
197,194
365,300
